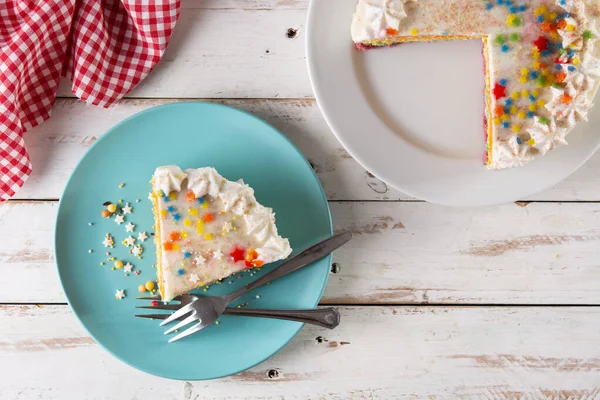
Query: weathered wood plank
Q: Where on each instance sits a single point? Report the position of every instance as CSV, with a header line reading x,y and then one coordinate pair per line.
x,y
57,145
219,48
376,353
402,253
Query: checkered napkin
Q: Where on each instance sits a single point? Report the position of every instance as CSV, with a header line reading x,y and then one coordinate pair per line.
x,y
105,47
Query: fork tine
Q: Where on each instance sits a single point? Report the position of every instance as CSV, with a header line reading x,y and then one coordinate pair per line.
x,y
155,297
179,313
183,323
196,328
162,307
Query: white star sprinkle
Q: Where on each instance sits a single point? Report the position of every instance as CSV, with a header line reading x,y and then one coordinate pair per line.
x,y
130,240
218,255
137,250
119,219
127,267
108,241
142,236
127,209
120,294
227,226
200,260
194,278
130,227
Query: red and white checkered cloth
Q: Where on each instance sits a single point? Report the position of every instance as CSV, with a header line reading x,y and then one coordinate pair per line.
x,y
106,47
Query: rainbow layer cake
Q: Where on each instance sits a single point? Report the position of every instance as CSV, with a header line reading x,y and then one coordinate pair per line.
x,y
208,228
540,62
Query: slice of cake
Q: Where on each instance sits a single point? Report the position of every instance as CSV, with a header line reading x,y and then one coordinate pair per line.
x,y
541,68
208,228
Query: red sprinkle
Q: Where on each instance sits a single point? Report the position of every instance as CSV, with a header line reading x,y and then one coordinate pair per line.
x,y
499,91
154,303
541,43
237,255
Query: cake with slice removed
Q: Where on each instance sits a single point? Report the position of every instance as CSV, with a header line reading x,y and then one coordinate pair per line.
x,y
541,66
208,228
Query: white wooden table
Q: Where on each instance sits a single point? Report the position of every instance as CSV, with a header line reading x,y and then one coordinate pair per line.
x,y
486,303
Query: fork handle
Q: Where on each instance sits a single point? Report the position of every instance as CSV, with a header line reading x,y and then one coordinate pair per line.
x,y
306,257
324,317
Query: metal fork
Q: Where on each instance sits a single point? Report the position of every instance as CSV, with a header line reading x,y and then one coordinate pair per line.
x,y
324,317
208,309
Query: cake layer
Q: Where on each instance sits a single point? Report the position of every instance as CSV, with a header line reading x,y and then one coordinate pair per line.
x,y
208,228
541,66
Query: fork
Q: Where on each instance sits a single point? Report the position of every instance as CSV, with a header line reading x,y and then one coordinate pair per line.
x,y
208,309
324,317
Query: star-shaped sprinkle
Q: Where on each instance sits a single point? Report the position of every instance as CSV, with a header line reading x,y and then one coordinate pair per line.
x,y
128,267
108,241
142,236
119,219
129,241
200,260
194,278
137,250
218,255
127,209
130,227
120,294
227,226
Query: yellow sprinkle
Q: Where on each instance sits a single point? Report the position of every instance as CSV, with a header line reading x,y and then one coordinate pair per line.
x,y
535,92
541,103
118,264
540,10
184,234
112,208
200,226
570,27
531,142
522,115
204,205
101,263
536,65
208,236
554,35
523,79
193,211
414,32
525,93
515,95
187,222
535,55
513,109
532,107
510,20
496,121
120,200
163,213
216,322
504,118
552,16
173,196
524,71
149,285
516,128
575,61
175,247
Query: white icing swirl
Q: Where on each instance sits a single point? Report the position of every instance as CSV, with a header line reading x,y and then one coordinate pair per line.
x,y
373,18
168,178
203,181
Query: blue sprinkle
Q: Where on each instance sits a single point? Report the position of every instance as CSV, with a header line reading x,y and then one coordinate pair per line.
x,y
563,2
571,68
489,6
540,18
571,52
504,48
532,98
508,102
522,7
180,271
558,67
187,254
530,114
533,75
166,199
513,10
558,46
505,125
506,110
200,200
503,82
170,209
519,140
546,53
176,217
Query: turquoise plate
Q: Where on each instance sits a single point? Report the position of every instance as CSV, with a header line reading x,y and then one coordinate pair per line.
x,y
190,135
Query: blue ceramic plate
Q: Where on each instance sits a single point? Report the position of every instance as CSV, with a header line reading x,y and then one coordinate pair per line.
x,y
190,135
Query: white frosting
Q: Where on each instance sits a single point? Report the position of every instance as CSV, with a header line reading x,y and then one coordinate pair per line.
x,y
376,22
239,221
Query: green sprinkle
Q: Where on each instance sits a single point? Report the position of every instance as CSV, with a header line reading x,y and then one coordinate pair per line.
x,y
587,34
500,39
544,120
517,21
542,80
515,37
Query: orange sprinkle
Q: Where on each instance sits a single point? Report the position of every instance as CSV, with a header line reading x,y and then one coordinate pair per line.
x,y
168,246
560,77
499,110
547,27
391,31
174,236
258,263
562,24
208,217
251,255
566,99
190,196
